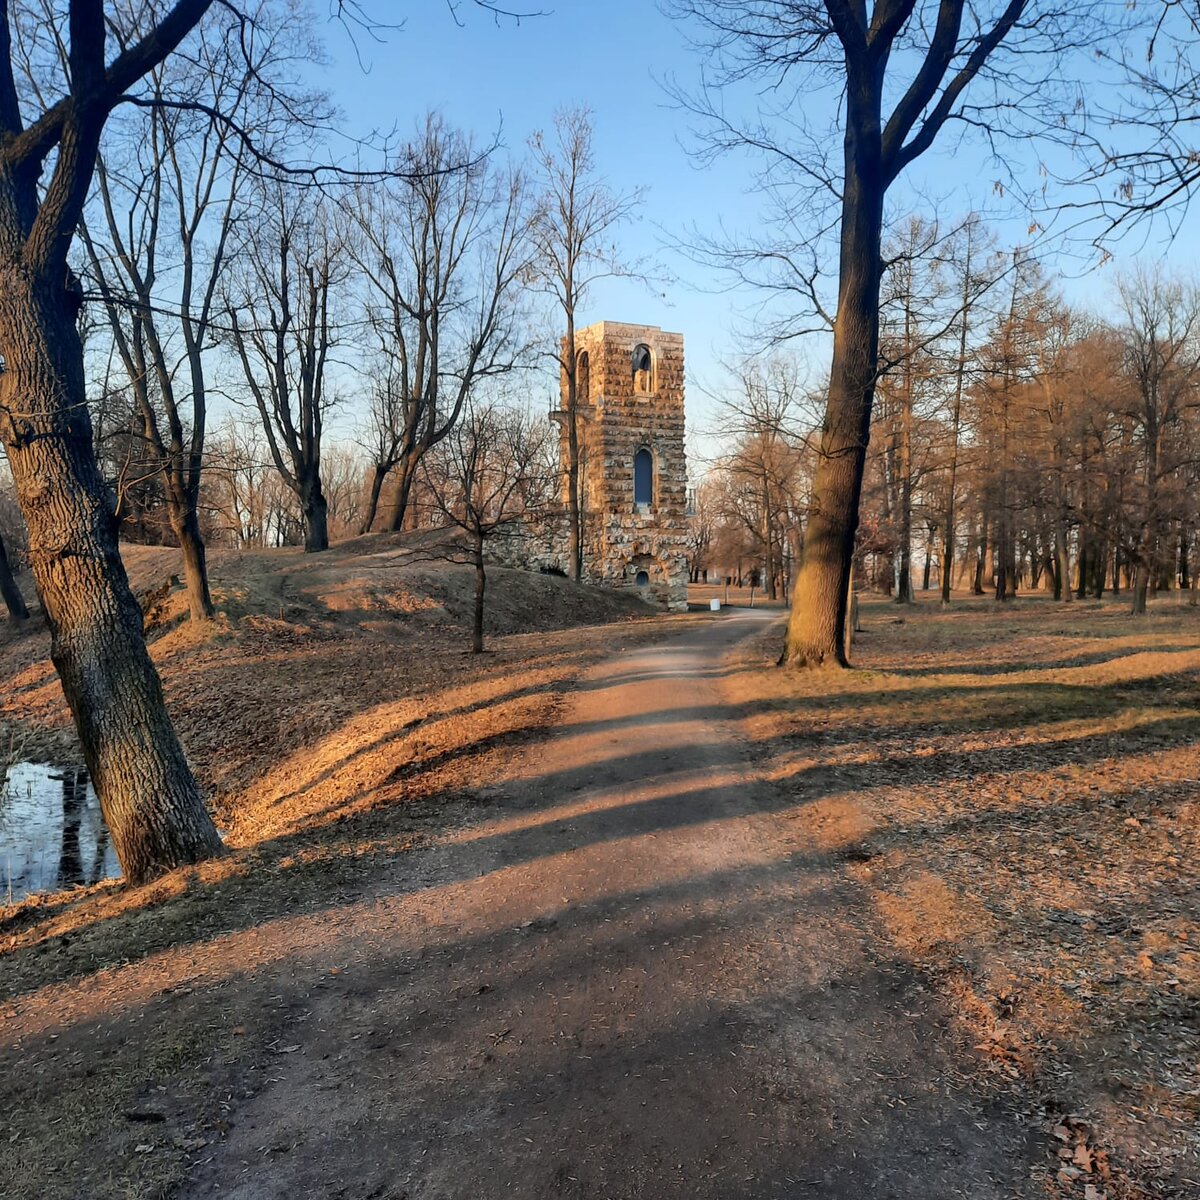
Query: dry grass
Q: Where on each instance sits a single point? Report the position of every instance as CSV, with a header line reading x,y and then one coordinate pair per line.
x,y
334,719
1018,791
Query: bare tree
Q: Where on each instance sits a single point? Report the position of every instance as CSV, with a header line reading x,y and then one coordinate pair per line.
x,y
381,435
283,332
702,520
48,153
1162,353
974,268
576,215
901,72
251,504
168,192
342,478
759,419
149,796
443,252
491,472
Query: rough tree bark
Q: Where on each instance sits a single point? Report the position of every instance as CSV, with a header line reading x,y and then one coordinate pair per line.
x,y
147,792
816,628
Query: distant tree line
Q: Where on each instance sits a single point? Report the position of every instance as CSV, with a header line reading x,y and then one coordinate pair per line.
x,y
1017,443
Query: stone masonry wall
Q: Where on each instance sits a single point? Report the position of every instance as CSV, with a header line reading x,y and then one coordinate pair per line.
x,y
622,539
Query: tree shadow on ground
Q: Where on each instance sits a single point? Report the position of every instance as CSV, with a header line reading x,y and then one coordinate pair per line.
x,y
827,1074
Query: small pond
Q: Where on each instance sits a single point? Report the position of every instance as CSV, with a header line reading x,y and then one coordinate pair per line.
x,y
52,835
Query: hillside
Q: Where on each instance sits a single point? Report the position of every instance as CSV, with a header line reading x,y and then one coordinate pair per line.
x,y
311,655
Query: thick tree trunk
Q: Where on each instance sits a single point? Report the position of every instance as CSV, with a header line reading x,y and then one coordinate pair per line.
x,y
816,633
13,600
316,518
147,792
195,564
405,474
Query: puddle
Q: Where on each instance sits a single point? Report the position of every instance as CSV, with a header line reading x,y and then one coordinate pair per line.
x,y
52,835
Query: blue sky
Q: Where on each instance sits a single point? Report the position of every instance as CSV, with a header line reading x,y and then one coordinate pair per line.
x,y
612,56
486,75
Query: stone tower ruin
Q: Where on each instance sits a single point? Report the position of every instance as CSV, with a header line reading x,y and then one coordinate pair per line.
x,y
633,470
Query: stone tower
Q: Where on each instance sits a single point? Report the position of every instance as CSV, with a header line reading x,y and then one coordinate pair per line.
x,y
633,470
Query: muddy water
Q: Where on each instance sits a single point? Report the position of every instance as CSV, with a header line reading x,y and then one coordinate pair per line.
x,y
51,832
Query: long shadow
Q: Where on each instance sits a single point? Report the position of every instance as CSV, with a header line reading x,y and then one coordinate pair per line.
x,y
687,804
1066,662
691,801
831,1063
1027,700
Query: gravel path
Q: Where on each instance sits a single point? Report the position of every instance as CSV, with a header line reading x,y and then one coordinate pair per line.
x,y
623,979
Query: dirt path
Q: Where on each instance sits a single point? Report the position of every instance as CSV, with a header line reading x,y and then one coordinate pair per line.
x,y
625,979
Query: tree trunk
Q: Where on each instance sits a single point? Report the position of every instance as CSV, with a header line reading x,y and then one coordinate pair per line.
x,y
817,627
13,600
195,563
1101,567
378,475
960,376
769,544
316,519
1062,563
1141,588
147,792
948,547
406,473
480,588
574,516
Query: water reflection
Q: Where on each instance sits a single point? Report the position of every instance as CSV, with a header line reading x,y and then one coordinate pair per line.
x,y
51,832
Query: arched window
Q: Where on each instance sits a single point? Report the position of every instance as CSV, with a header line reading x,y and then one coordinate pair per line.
x,y
643,579
643,478
583,378
643,369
